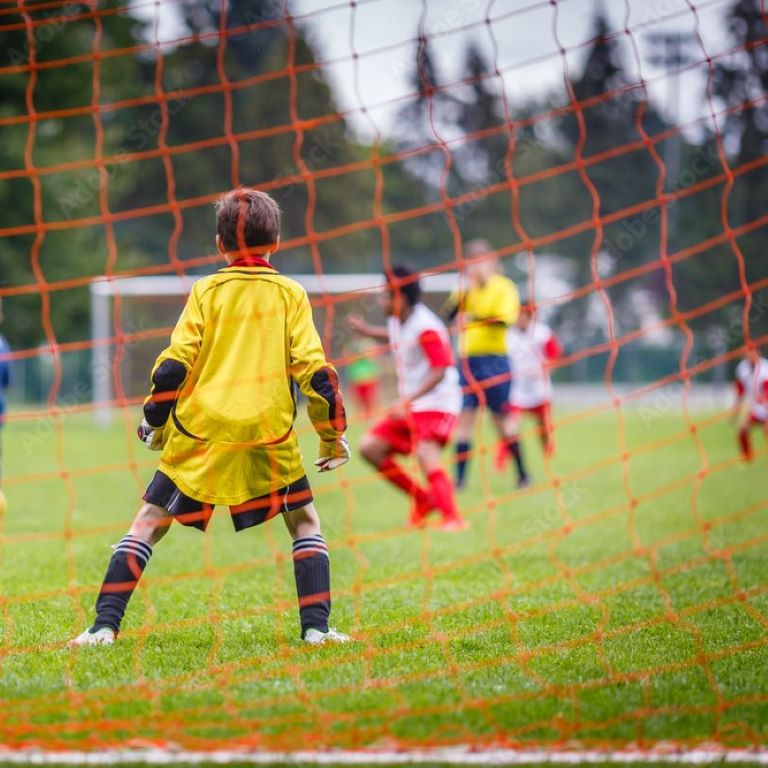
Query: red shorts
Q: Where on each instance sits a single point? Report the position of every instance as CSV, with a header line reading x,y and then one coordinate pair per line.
x,y
756,421
542,411
403,434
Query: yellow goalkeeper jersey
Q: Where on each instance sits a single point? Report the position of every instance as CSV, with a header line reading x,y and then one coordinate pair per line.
x,y
224,386
487,311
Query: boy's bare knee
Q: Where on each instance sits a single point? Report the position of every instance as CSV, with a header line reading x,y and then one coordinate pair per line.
x,y
150,524
429,455
372,450
302,522
466,425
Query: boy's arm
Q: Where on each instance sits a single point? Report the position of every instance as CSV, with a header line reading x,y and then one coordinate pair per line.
x,y
360,326
319,382
451,306
174,363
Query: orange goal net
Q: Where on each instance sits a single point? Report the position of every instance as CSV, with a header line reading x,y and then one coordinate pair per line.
x,y
613,156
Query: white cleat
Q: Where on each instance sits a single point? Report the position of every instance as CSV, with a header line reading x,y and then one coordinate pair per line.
x,y
103,636
316,637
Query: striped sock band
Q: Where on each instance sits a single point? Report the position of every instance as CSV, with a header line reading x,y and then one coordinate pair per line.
x,y
308,546
311,568
132,545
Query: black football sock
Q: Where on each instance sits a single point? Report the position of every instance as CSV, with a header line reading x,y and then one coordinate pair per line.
x,y
462,457
128,562
517,455
312,570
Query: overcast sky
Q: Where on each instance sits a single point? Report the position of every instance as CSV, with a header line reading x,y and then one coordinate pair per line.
x,y
523,38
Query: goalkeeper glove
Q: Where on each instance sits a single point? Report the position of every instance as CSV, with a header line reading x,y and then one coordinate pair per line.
x,y
151,436
333,453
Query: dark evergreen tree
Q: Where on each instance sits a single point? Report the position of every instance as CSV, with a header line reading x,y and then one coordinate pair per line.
x,y
425,120
741,84
481,119
263,147
614,114
66,194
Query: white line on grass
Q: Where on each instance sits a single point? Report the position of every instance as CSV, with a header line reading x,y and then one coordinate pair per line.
x,y
449,756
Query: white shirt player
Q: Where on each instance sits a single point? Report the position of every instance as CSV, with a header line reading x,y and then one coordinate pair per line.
x,y
421,335
752,382
529,351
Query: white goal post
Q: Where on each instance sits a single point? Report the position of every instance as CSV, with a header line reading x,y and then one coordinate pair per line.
x,y
104,289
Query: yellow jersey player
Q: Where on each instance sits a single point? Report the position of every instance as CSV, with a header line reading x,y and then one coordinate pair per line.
x,y
222,409
485,308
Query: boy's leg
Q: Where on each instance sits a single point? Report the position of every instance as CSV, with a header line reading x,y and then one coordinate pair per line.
x,y
507,427
547,430
745,441
378,452
464,432
311,568
125,568
503,451
368,398
473,396
428,453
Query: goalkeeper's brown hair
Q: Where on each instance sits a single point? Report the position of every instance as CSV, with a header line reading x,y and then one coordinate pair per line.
x,y
247,219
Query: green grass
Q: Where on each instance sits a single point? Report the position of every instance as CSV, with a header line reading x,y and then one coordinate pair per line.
x,y
622,599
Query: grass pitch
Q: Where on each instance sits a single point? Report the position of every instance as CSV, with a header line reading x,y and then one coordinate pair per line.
x,y
622,599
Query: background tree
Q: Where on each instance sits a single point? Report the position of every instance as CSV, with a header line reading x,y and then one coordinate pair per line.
x,y
740,84
66,194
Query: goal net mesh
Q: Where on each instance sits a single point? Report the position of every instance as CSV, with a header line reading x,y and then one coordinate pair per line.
x,y
613,156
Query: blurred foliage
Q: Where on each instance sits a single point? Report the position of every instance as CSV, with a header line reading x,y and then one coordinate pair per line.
x,y
48,37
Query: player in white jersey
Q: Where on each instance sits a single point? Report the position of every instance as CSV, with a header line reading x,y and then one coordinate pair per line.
x,y
532,347
422,420
751,383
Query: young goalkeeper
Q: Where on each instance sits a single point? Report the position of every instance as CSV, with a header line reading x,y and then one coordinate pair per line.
x,y
221,410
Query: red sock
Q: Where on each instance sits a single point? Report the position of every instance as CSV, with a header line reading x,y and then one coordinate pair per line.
x,y
502,455
548,442
442,493
745,445
399,477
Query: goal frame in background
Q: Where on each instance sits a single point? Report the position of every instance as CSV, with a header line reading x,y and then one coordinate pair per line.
x,y
104,290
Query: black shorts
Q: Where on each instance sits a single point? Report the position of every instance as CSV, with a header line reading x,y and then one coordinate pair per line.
x,y
483,369
162,492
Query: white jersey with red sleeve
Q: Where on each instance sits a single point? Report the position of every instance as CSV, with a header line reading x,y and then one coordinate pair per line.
x,y
530,351
420,344
752,383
